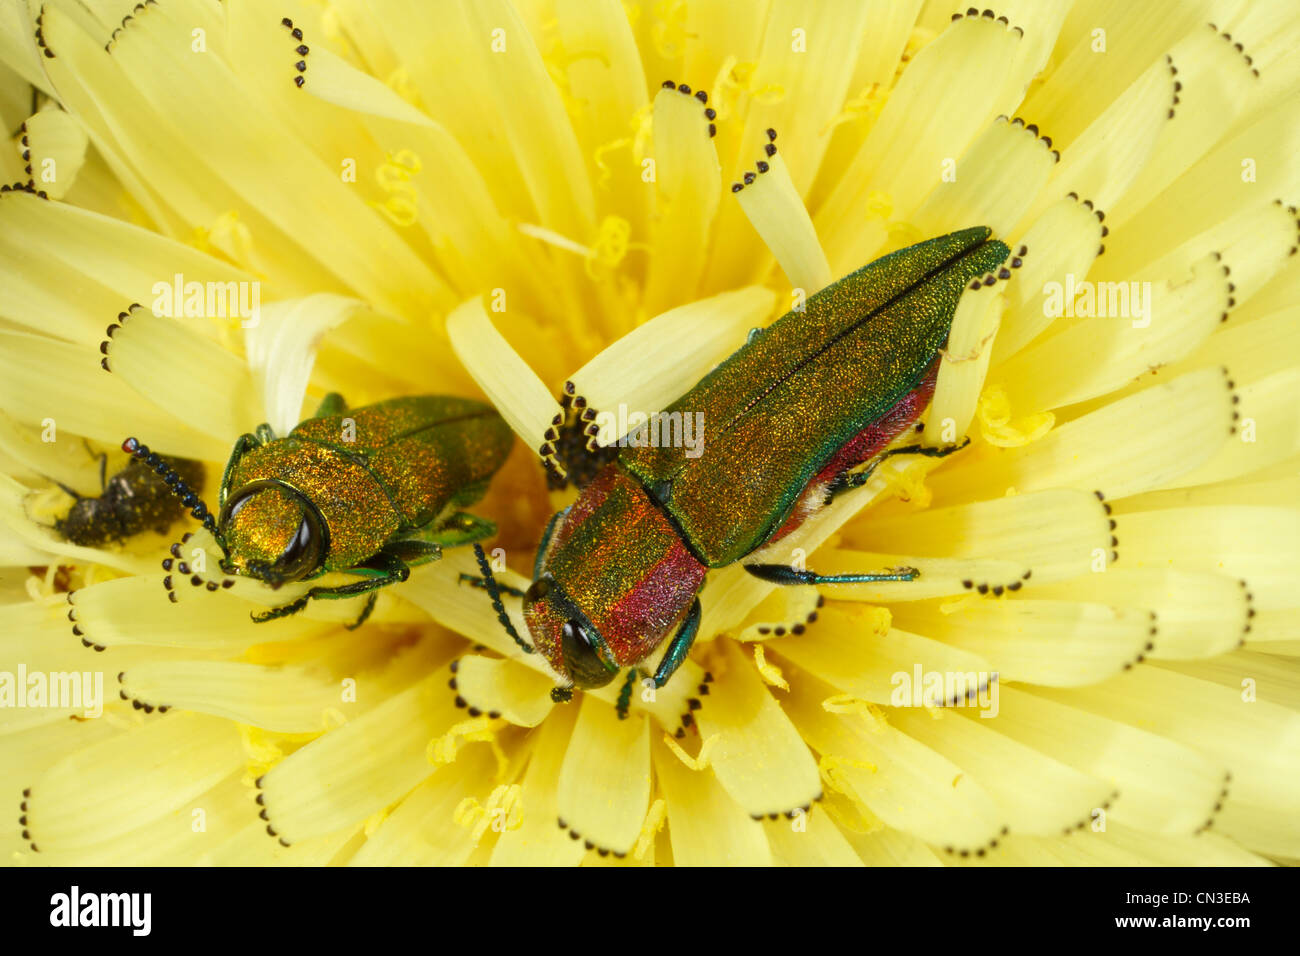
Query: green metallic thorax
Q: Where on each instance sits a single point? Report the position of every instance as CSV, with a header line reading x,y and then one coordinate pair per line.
x,y
777,411
376,472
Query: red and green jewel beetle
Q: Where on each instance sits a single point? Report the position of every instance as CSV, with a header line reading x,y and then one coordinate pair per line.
x,y
371,492
789,416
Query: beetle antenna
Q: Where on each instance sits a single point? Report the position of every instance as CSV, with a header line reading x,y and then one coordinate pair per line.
x,y
189,498
494,591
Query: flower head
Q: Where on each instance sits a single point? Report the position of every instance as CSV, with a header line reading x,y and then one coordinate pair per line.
x,y
1095,660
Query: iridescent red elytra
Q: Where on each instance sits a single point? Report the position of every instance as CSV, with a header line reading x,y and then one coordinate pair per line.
x,y
789,416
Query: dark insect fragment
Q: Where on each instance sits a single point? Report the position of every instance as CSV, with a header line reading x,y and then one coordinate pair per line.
x,y
135,499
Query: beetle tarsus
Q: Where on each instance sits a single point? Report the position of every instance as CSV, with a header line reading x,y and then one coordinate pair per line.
x,y
365,612
847,482
625,694
287,610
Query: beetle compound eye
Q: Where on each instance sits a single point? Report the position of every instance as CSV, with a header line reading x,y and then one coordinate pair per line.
x,y
585,655
303,554
537,591
233,506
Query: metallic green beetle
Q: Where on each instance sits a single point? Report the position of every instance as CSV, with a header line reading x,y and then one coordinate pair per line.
x,y
370,492
791,416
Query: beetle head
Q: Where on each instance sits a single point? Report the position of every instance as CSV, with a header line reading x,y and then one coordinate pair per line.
x,y
270,532
565,636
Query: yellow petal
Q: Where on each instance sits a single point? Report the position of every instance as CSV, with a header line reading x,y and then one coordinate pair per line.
x,y
687,188
1144,441
370,762
1060,643
112,787
281,349
1164,787
1004,526
421,831
907,785
992,183
865,664
759,758
57,146
280,699
707,827
504,688
604,784
1060,797
539,841
514,388
778,215
44,379
963,366
194,378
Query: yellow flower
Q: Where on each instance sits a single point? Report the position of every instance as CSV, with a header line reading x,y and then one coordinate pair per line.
x,y
472,197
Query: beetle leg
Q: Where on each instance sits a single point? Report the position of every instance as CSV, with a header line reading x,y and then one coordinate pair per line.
x,y
847,482
784,574
413,551
285,610
72,492
546,542
394,571
243,443
460,528
625,694
478,582
331,405
427,543
680,646
365,613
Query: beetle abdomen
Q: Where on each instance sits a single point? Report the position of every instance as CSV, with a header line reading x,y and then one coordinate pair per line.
x,y
865,446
